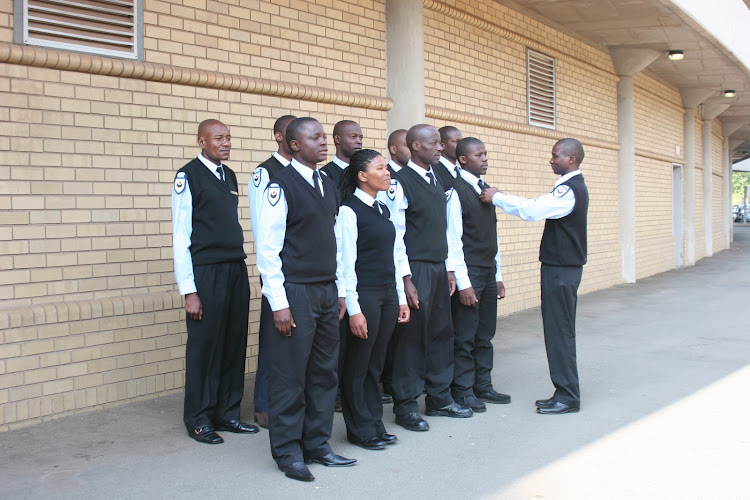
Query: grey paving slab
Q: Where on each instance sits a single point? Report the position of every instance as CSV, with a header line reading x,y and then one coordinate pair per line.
x,y
664,365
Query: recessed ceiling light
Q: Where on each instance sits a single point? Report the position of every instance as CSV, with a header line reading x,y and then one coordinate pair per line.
x,y
676,55
729,93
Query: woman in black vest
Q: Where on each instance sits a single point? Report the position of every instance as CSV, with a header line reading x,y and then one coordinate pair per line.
x,y
374,296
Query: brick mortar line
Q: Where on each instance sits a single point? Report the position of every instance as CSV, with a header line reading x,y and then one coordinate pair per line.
x,y
460,15
651,155
521,128
98,65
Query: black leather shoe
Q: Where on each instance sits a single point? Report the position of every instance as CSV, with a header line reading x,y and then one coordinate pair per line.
x,y
412,422
453,410
473,403
389,438
386,399
373,443
236,426
261,418
330,459
493,397
557,408
545,403
206,434
298,471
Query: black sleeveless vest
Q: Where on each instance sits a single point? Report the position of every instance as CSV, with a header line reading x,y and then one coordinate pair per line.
x,y
479,224
564,240
375,237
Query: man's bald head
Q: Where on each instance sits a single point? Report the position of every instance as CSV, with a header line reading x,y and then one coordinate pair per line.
x,y
424,143
214,140
571,147
207,124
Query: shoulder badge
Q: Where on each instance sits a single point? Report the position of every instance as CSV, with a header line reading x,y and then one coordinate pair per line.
x,y
392,189
256,176
179,182
274,194
560,191
448,194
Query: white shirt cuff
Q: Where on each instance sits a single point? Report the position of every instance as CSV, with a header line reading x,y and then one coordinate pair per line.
x,y
187,287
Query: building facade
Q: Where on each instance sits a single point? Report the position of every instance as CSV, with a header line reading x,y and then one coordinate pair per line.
x,y
92,131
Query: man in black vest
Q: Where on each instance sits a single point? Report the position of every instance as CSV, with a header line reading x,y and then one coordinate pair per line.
x,y
262,175
473,249
423,348
563,255
301,272
447,168
398,150
347,136
209,263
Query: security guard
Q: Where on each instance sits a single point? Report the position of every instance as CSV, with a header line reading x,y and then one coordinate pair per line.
x,y
209,262
447,169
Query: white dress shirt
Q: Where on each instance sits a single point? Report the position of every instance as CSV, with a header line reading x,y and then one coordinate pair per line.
x,y
255,188
341,163
182,228
346,226
272,225
554,205
395,199
395,166
456,232
450,167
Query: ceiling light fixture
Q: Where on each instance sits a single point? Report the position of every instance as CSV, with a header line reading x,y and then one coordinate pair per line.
x,y
676,55
729,93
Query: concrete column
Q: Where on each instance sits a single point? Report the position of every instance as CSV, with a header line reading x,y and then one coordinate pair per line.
x,y
727,204
708,113
404,62
691,98
627,62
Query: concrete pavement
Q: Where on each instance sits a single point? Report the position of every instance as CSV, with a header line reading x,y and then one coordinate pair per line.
x,y
664,367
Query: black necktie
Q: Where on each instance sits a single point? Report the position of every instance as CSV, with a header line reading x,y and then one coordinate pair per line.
x,y
432,179
481,184
221,172
458,172
316,181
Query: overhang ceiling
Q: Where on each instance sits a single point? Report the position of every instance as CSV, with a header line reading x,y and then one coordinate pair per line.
x,y
658,25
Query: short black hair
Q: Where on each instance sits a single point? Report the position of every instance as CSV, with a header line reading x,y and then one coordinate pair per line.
x,y
465,144
572,147
337,129
446,131
282,122
295,126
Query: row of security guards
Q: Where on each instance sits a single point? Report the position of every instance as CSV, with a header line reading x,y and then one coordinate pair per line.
x,y
373,273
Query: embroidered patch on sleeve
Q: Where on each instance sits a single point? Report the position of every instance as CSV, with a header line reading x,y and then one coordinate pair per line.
x,y
560,191
256,176
274,194
392,189
179,182
448,194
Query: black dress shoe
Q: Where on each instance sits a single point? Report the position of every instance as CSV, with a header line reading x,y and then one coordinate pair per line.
x,y
261,418
330,459
545,403
386,399
412,422
373,443
236,426
206,434
493,397
453,410
473,403
389,438
298,471
557,408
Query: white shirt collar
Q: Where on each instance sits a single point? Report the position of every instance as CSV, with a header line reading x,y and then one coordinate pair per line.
x,y
451,167
471,179
567,176
395,166
422,172
281,159
364,197
305,171
341,163
209,164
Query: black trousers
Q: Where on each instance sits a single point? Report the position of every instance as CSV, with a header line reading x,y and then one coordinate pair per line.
x,y
302,377
363,363
423,347
260,396
559,300
217,345
474,329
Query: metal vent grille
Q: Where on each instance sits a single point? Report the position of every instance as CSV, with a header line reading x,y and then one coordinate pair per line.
x,y
106,27
540,81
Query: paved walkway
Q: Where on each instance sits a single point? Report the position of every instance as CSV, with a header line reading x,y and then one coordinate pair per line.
x,y
664,365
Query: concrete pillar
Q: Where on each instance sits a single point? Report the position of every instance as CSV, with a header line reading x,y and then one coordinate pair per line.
x,y
691,98
404,62
627,62
708,113
728,128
